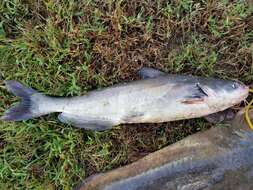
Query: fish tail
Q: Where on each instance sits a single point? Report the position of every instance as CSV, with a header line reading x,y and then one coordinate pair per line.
x,y
26,109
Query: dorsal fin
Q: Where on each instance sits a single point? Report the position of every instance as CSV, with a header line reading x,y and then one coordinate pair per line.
x,y
146,72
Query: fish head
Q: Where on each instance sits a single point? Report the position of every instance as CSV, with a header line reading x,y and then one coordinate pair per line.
x,y
224,93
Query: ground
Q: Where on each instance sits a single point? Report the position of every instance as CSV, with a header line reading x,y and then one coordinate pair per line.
x,y
66,48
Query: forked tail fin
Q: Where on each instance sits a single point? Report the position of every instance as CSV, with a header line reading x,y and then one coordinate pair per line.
x,y
24,110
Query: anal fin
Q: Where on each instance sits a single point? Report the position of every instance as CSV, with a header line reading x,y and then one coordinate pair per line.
x,y
95,124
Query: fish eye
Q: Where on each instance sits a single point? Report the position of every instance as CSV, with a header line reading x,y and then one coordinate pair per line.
x,y
234,86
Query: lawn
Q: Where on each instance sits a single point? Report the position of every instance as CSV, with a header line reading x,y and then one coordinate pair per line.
x,y
66,48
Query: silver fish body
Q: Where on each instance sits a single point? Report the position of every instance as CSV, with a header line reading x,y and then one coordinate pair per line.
x,y
219,158
159,97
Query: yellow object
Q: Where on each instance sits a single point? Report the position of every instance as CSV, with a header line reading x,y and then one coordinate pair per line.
x,y
247,112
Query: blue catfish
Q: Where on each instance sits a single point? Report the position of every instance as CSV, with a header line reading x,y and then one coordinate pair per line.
x,y
158,97
219,158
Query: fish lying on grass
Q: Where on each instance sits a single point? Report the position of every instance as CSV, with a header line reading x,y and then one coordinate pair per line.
x,y
219,158
158,97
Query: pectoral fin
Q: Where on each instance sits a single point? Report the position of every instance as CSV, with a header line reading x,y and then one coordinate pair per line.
x,y
197,95
192,100
146,72
222,116
85,122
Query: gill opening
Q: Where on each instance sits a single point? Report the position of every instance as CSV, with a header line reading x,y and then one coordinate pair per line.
x,y
248,107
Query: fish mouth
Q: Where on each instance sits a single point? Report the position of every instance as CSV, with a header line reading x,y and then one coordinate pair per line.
x,y
244,92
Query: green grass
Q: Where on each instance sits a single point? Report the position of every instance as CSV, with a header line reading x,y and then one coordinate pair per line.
x,y
66,48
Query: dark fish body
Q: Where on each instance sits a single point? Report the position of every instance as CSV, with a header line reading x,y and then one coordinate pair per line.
x,y
159,97
219,158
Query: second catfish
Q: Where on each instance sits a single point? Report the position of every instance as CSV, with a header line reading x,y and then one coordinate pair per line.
x,y
158,97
